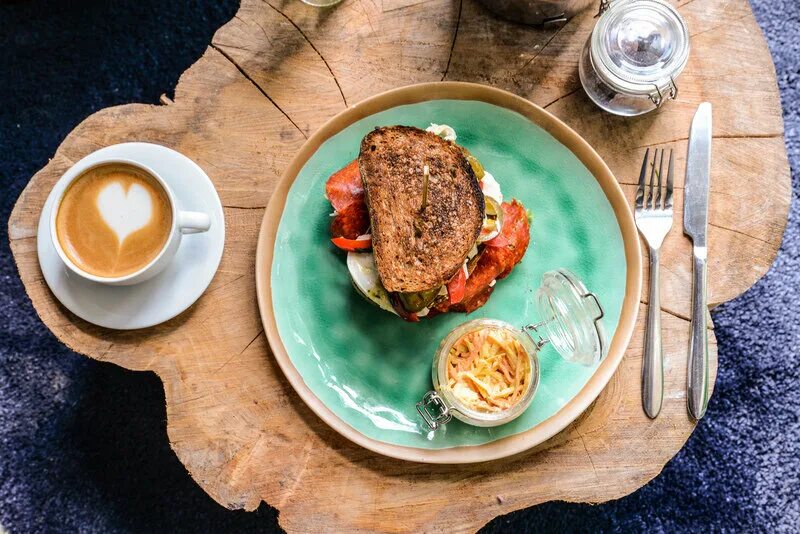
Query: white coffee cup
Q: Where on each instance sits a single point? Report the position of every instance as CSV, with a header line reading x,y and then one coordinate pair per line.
x,y
183,222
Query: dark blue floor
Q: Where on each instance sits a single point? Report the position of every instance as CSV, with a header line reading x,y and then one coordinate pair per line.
x,y
83,444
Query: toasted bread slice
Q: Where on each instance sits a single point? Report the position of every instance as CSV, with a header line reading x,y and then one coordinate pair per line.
x,y
418,249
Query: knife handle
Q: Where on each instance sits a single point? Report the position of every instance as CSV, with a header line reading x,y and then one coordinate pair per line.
x,y
698,344
653,365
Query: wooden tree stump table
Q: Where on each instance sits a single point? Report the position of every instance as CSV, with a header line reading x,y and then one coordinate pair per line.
x,y
274,74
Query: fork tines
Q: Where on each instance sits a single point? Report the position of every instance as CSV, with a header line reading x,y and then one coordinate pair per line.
x,y
649,195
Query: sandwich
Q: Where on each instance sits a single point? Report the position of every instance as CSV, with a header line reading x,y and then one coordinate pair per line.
x,y
424,225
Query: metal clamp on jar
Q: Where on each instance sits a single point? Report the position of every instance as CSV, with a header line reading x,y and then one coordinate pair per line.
x,y
570,319
637,50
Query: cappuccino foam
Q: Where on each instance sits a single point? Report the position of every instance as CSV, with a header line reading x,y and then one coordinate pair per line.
x,y
113,220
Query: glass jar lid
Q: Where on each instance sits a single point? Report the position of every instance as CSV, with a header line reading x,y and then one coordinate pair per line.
x,y
640,46
571,318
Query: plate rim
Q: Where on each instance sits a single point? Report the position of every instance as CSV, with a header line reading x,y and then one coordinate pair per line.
x,y
423,92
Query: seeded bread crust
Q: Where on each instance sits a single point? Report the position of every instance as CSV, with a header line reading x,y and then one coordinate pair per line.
x,y
416,250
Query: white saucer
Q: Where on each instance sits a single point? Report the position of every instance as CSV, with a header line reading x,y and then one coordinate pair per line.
x,y
173,290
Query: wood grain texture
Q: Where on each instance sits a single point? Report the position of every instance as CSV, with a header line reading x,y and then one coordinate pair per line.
x,y
274,74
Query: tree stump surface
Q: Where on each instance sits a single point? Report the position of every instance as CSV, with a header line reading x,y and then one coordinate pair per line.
x,y
274,74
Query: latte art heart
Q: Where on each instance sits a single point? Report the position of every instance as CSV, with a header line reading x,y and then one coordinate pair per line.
x,y
114,220
124,212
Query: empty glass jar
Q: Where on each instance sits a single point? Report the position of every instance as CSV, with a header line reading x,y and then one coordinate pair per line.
x,y
637,50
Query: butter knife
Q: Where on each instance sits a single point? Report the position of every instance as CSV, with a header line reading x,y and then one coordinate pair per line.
x,y
695,224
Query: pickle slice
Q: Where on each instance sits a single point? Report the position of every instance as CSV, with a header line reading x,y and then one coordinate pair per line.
x,y
415,302
477,168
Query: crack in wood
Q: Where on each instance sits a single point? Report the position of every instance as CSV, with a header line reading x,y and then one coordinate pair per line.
x,y
226,284
240,352
636,184
264,31
718,26
235,207
20,238
173,404
102,357
398,8
648,145
588,454
745,234
537,54
366,16
453,44
335,79
675,314
235,47
562,97
679,315
260,89
749,136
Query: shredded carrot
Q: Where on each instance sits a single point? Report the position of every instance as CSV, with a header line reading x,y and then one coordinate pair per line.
x,y
488,370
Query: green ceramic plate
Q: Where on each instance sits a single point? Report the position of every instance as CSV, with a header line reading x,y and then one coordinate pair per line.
x,y
368,368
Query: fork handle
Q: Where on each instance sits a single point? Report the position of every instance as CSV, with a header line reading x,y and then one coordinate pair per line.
x,y
698,344
653,367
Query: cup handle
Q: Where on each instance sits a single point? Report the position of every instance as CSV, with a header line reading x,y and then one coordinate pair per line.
x,y
193,222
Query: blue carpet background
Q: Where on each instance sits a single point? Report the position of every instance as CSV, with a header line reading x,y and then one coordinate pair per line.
x,y
83,444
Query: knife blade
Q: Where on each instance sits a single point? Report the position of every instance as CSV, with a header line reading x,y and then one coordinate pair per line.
x,y
698,173
695,224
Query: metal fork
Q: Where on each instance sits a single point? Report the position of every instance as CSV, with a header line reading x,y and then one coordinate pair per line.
x,y
654,219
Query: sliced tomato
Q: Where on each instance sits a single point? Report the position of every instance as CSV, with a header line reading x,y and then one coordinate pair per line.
x,y
351,245
456,287
499,241
351,222
486,271
517,229
496,261
344,187
477,301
